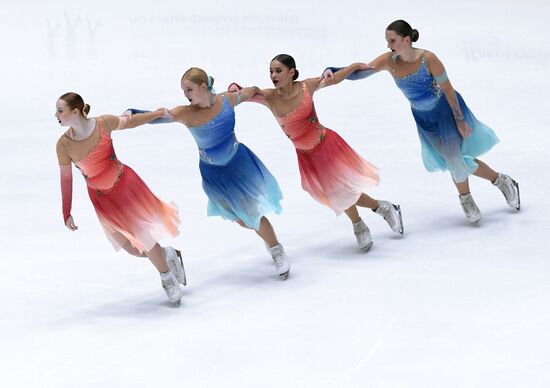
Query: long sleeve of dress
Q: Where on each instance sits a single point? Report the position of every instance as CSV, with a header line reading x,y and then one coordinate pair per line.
x,y
160,120
356,75
66,178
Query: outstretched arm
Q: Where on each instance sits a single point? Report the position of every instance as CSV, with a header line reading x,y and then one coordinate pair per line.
x,y
334,75
160,120
440,75
66,180
380,63
258,95
245,94
128,120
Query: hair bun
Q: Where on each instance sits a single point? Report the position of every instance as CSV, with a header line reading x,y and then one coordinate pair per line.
x,y
414,35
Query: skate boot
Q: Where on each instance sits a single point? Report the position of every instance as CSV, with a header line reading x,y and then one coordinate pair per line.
x,y
509,188
171,287
282,266
362,233
175,264
470,208
392,214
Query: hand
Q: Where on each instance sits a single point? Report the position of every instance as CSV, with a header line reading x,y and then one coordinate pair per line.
x,y
463,128
70,224
165,113
234,87
259,93
362,66
259,96
328,76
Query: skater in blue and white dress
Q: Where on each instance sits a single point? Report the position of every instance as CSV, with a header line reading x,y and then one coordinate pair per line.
x,y
450,135
238,185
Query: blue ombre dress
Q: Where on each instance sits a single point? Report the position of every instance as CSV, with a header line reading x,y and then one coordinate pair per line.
x,y
238,185
443,148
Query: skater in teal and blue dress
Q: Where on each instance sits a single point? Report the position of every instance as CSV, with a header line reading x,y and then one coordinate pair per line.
x,y
238,185
450,135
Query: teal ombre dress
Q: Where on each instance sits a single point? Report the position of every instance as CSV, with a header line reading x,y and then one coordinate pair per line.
x,y
238,185
443,148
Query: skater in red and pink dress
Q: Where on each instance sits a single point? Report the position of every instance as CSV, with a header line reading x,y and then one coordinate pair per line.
x,y
331,171
132,217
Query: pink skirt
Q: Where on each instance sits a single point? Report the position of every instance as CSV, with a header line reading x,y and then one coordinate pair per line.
x,y
334,174
129,211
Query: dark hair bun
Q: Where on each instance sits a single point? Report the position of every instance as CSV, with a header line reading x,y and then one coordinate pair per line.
x,y
414,35
296,74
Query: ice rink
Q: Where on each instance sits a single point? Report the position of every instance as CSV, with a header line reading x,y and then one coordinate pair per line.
x,y
446,305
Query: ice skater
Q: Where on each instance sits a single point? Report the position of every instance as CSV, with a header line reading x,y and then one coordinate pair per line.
x,y
132,217
238,185
331,171
450,135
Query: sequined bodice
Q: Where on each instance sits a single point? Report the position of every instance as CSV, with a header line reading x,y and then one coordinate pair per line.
x,y
100,167
301,125
216,139
420,88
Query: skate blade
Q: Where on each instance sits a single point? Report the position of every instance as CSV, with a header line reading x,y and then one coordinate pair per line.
x,y
476,222
284,276
517,188
184,280
177,303
367,247
401,229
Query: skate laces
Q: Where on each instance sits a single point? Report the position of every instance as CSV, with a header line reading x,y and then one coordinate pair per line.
x,y
175,265
171,286
168,280
469,206
359,227
504,183
277,253
384,209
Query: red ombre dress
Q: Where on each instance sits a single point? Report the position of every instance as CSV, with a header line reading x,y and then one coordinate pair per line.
x,y
331,171
126,208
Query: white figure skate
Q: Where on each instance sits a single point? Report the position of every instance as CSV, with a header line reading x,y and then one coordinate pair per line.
x,y
470,208
175,264
510,190
282,266
392,214
171,287
362,233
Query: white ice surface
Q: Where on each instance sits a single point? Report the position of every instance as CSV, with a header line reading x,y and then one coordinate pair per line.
x,y
448,305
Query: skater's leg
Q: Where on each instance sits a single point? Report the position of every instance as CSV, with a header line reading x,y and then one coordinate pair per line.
x,y
267,233
471,211
352,214
485,172
128,247
169,281
390,212
367,201
360,229
508,186
156,255
463,187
